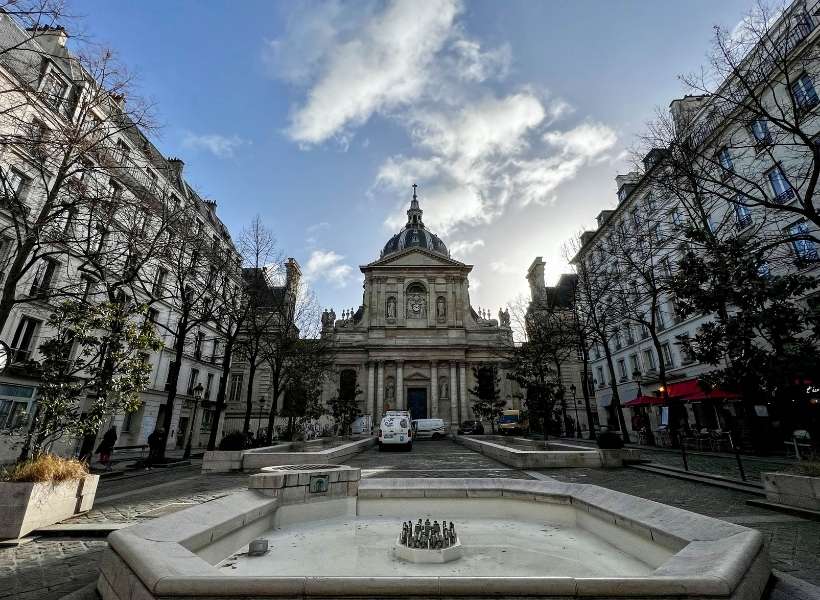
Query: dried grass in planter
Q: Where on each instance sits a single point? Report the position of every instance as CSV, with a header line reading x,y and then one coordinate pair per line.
x,y
46,468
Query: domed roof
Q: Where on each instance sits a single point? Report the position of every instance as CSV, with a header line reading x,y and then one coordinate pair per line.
x,y
415,234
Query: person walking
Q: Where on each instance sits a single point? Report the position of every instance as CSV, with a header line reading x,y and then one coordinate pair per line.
x,y
106,447
154,447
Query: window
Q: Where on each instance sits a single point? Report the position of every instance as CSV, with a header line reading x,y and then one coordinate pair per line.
x,y
660,321
634,365
159,282
114,191
667,354
743,216
193,379
16,402
781,188
22,341
215,351
803,92
153,181
630,337
236,387
43,278
622,370
618,341
725,159
200,337
123,150
209,382
649,359
763,269
600,372
804,248
761,133
6,252
54,90
677,217
686,356
16,184
126,422
666,267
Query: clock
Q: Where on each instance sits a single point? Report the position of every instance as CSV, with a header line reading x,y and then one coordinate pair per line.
x,y
415,306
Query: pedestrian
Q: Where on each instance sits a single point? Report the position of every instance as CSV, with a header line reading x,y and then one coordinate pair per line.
x,y
154,447
106,447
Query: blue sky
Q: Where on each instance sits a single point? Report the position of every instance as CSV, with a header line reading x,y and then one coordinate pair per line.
x,y
513,117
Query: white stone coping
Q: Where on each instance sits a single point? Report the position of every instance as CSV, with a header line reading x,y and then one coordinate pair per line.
x,y
713,558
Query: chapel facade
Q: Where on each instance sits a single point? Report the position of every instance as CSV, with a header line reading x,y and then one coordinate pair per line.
x,y
413,342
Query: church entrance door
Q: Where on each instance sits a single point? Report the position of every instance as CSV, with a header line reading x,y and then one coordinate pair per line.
x,y
417,402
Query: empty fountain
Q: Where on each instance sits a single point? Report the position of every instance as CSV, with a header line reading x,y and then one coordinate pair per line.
x,y
330,534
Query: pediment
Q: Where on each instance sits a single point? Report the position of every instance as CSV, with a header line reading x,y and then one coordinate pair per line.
x,y
415,257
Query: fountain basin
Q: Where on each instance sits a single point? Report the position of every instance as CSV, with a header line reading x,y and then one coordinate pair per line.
x,y
519,538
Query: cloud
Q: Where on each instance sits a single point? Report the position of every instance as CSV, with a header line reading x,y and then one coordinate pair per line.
x,y
475,150
219,145
312,231
327,265
499,266
464,247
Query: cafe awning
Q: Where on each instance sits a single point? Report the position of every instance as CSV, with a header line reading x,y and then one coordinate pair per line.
x,y
690,390
644,401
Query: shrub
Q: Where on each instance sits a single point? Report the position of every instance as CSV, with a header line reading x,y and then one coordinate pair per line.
x,y
235,440
609,440
46,468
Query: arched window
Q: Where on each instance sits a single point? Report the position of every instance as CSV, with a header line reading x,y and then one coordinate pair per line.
x,y
416,288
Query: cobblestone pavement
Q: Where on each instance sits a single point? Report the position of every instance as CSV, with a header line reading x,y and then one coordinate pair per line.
x,y
50,567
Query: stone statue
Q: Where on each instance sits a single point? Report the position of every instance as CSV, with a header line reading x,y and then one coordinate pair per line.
x,y
389,392
332,316
443,391
391,308
504,318
441,309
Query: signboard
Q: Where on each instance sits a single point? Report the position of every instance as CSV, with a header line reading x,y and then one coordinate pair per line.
x,y
319,483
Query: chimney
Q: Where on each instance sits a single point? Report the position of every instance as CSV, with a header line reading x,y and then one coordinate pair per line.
x,y
535,276
176,165
603,217
292,275
626,183
652,157
52,39
684,109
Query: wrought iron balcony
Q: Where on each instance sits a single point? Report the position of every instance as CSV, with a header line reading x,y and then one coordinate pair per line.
x,y
784,196
743,222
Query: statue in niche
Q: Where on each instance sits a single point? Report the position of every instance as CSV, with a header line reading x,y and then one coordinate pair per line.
x,y
441,309
389,394
391,308
416,306
443,389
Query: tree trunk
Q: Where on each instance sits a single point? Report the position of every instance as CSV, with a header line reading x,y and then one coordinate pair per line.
x,y
173,381
276,383
219,405
585,391
616,397
246,426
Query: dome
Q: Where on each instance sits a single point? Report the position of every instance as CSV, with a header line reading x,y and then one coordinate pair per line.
x,y
414,234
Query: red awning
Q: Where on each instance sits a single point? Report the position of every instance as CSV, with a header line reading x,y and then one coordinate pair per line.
x,y
690,391
644,401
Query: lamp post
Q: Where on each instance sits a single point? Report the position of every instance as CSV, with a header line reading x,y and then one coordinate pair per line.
x,y
573,389
665,395
261,411
197,397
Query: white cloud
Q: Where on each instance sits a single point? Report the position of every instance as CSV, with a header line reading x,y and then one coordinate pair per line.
x,y
499,266
587,140
328,265
464,247
219,145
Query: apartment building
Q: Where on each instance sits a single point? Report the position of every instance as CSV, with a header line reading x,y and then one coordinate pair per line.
x,y
43,87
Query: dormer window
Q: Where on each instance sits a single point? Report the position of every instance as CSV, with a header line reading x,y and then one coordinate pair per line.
x,y
54,90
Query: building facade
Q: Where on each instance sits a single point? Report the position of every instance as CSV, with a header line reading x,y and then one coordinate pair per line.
x,y
44,86
415,339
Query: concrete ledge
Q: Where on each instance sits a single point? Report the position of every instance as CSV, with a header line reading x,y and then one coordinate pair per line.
x,y
528,456
221,461
793,490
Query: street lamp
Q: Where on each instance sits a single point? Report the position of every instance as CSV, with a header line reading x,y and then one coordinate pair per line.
x,y
197,391
573,389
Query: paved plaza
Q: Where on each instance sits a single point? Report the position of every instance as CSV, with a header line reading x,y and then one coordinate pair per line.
x,y
52,566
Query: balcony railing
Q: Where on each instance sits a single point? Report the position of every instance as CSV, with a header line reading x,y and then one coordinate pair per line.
x,y
743,222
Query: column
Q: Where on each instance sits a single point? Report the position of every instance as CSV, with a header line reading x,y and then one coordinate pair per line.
x,y
401,401
379,392
462,390
371,389
453,391
433,390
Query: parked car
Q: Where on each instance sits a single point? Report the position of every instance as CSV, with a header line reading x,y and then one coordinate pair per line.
x,y
471,428
429,428
513,421
396,429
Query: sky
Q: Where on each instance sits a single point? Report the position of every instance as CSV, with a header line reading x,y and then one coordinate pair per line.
x,y
512,117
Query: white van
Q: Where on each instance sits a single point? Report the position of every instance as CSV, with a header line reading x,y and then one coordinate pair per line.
x,y
396,428
429,428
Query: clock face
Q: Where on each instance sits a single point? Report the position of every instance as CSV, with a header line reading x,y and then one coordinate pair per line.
x,y
415,306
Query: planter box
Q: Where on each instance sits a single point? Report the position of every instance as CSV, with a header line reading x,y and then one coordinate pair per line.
x,y
794,490
25,507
